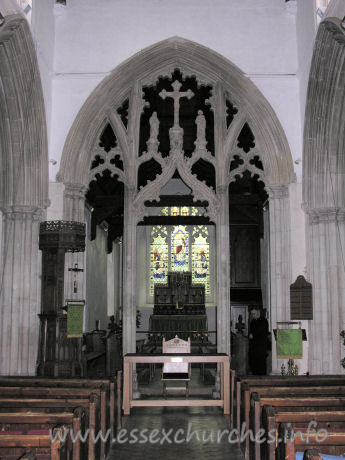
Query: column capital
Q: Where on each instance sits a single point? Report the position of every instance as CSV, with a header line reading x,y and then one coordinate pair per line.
x,y
327,214
22,212
278,191
75,190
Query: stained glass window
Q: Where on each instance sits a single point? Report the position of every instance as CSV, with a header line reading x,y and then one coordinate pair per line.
x,y
159,256
179,249
201,257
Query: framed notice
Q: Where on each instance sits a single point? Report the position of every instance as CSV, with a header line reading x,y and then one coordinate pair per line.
x,y
75,318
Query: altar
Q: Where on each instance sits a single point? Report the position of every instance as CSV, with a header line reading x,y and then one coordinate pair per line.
x,y
179,309
184,326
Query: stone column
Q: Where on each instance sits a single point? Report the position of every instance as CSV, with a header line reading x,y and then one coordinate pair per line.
x,y
223,272
20,290
280,259
129,273
326,237
74,210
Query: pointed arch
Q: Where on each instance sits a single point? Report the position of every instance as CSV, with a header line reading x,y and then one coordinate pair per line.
x,y
209,68
23,140
23,192
153,62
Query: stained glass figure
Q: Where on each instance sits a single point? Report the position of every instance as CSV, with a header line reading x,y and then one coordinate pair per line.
x,y
201,257
172,247
180,249
159,256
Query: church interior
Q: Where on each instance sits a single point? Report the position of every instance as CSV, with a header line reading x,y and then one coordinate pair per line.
x,y
171,173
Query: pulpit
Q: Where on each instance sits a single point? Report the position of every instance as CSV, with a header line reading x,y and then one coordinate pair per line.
x,y
179,309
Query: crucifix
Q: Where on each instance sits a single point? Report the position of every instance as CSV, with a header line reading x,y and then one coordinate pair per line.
x,y
176,95
75,270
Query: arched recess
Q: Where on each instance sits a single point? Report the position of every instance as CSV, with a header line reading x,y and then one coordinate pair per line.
x,y
209,68
324,195
23,192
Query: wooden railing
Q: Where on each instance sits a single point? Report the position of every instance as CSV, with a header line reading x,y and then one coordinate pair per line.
x,y
131,358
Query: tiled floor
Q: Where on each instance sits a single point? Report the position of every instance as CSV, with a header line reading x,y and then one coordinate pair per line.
x,y
176,432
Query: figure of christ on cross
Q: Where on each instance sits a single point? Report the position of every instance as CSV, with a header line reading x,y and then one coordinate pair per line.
x,y
176,95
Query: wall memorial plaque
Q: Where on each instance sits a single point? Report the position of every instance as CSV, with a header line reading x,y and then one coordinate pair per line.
x,y
301,299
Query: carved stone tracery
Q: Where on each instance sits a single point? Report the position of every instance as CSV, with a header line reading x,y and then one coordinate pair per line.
x,y
161,61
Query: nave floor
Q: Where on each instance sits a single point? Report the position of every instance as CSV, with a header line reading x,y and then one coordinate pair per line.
x,y
199,424
181,432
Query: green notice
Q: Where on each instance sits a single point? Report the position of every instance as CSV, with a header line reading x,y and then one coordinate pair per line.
x,y
289,343
75,317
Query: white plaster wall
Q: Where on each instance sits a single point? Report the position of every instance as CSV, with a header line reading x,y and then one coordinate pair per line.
x,y
43,30
55,210
305,32
253,34
298,232
259,37
69,94
282,92
96,281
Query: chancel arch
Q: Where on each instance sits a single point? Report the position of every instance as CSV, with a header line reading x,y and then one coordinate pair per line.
x,y
192,106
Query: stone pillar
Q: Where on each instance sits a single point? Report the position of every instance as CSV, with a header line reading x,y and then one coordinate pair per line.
x,y
280,259
74,210
129,273
20,290
326,237
223,272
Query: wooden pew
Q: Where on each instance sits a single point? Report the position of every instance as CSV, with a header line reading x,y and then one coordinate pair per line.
x,y
333,444
247,385
29,455
91,407
100,384
273,381
14,445
27,422
288,402
308,391
63,393
272,417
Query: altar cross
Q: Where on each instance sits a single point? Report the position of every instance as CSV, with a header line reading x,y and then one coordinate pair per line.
x,y
75,270
176,95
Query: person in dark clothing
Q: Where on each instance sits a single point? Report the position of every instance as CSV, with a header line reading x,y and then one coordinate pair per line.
x,y
258,342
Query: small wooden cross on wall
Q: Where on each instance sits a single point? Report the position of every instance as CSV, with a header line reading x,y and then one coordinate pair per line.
x,y
75,270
